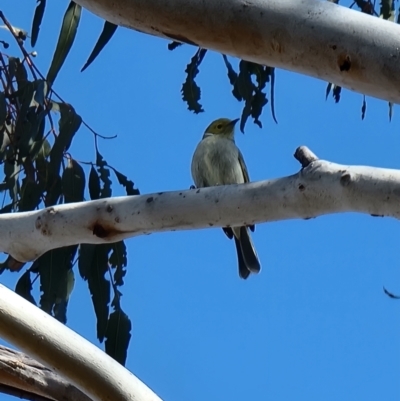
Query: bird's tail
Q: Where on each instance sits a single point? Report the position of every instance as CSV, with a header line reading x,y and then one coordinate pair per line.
x,y
247,256
244,272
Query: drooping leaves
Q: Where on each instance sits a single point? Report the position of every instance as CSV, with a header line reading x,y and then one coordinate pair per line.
x,y
73,182
94,184
104,176
37,21
69,124
66,38
119,261
24,148
250,92
11,172
93,265
118,335
106,34
126,183
328,90
24,287
60,307
30,122
272,95
30,194
119,326
336,91
56,280
232,76
190,90
363,108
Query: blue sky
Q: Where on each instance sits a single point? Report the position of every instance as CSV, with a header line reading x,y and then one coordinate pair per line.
x,y
315,324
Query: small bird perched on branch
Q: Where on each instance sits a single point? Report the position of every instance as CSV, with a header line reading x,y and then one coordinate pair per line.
x,y
218,161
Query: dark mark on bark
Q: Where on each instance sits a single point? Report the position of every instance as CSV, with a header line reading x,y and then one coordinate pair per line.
x,y
99,231
345,179
344,63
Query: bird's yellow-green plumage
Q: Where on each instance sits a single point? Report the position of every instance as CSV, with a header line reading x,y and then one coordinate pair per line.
x,y
218,161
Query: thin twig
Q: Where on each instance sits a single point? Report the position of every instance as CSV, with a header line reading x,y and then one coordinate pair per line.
x,y
21,46
62,100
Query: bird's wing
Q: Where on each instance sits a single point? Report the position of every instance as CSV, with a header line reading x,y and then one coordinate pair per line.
x,y
243,167
245,176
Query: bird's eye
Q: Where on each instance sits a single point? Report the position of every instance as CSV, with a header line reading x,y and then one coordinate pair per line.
x,y
219,126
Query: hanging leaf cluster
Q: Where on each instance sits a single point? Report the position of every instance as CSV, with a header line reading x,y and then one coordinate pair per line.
x,y
245,89
37,131
250,91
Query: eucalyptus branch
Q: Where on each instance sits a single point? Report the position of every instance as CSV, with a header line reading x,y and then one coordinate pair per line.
x,y
66,353
319,38
319,188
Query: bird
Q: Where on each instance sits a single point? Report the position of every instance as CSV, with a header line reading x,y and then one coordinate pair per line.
x,y
218,161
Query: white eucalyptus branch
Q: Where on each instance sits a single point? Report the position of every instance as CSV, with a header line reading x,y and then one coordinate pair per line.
x,y
312,37
319,188
84,365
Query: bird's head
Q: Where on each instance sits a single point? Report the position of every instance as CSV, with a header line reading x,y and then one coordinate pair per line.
x,y
223,126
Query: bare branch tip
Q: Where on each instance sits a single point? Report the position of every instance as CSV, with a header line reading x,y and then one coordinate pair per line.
x,y
304,156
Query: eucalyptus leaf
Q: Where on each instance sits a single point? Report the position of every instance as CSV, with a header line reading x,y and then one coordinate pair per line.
x,y
24,287
73,182
3,110
128,184
37,21
65,40
94,184
118,335
93,265
69,124
190,90
54,268
106,34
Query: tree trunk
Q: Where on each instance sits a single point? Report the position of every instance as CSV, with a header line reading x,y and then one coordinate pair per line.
x,y
312,37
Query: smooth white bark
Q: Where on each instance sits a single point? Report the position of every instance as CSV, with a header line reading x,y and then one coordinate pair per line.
x,y
319,188
21,372
83,364
312,37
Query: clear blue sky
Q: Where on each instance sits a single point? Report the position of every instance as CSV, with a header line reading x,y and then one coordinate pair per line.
x,y
315,324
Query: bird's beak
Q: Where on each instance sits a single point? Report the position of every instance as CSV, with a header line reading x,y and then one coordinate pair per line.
x,y
233,122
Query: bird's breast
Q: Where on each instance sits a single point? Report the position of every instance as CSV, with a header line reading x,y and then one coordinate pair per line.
x,y
216,162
